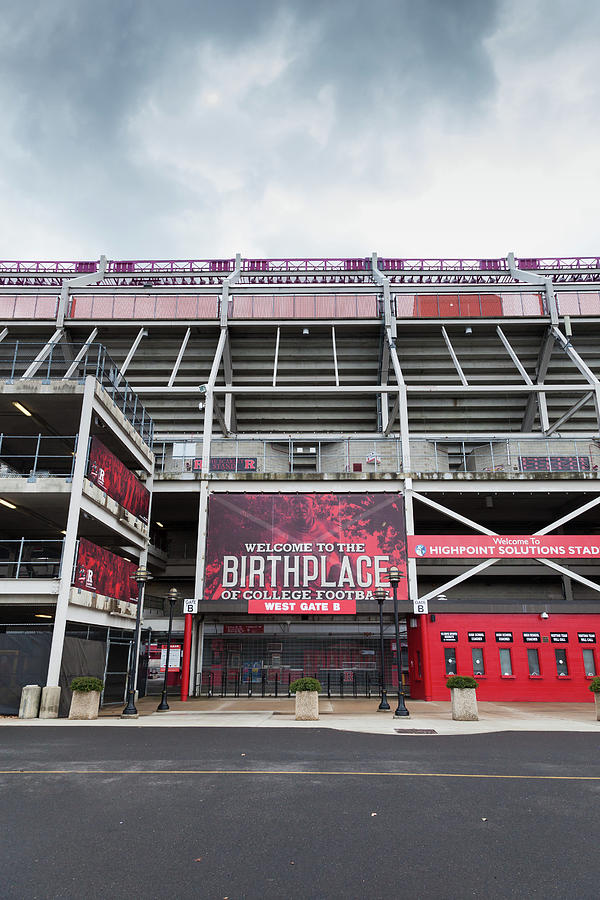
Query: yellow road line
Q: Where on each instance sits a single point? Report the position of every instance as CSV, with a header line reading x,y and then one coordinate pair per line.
x,y
288,772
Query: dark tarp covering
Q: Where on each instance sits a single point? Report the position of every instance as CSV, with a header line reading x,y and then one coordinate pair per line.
x,y
24,660
80,657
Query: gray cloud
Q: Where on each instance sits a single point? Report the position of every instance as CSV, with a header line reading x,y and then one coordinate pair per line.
x,y
196,128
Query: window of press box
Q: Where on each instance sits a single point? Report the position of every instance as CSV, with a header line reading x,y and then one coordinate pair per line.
x,y
533,660
561,662
505,662
589,663
450,655
478,666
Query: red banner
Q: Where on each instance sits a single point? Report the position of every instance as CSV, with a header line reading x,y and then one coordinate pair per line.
x,y
303,553
115,479
102,572
503,546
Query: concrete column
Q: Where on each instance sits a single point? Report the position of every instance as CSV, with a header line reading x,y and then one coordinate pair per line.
x,y
50,701
68,559
31,696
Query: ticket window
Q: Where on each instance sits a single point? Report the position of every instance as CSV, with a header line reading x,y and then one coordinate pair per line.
x,y
450,656
533,660
589,663
562,667
478,664
505,662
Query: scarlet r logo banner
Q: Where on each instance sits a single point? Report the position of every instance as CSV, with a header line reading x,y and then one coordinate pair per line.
x,y
303,553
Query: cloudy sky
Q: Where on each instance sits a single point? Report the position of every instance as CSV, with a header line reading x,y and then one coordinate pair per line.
x,y
189,128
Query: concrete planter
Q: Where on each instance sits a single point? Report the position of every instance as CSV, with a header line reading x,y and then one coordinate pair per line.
x,y
597,702
84,705
464,704
307,706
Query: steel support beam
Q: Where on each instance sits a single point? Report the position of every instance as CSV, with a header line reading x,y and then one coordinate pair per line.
x,y
3,333
539,402
44,352
182,350
276,356
83,350
335,361
142,333
454,357
209,400
570,412
522,370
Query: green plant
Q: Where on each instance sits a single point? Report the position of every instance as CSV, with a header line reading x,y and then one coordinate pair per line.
x,y
85,683
305,684
595,685
461,682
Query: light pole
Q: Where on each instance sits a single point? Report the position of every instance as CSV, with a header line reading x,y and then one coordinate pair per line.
x,y
394,577
171,597
141,576
380,595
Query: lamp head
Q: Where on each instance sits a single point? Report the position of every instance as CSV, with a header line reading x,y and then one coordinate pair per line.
x,y
380,594
142,575
172,595
394,575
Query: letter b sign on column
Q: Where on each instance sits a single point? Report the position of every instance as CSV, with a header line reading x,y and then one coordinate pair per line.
x,y
420,607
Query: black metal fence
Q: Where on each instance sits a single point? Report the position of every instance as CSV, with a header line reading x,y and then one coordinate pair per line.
x,y
333,684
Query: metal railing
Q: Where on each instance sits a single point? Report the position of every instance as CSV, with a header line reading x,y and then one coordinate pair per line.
x,y
185,457
26,558
45,456
383,456
508,456
76,361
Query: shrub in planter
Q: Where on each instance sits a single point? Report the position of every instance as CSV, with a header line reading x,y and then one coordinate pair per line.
x,y
85,683
307,698
305,684
462,682
464,698
86,697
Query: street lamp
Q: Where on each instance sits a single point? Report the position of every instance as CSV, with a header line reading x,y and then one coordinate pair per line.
x,y
380,595
141,576
394,577
172,596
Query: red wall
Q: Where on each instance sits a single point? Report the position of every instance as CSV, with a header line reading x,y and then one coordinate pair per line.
x,y
424,639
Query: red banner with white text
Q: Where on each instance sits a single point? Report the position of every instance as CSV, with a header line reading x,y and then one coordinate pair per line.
x,y
116,480
303,553
102,572
503,546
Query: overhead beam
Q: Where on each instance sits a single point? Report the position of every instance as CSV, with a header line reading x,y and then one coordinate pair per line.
x,y
3,333
475,570
78,281
569,516
452,514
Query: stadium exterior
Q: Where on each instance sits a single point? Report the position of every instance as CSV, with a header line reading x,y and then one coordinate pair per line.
x,y
300,425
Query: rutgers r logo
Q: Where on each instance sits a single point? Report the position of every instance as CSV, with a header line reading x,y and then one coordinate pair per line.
x,y
250,464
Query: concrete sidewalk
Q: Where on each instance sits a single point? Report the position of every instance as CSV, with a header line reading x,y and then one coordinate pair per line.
x,y
359,715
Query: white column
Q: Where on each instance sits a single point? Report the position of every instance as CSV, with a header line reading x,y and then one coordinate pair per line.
x,y
70,543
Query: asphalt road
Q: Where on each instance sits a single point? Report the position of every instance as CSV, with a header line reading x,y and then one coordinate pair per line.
x,y
248,813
